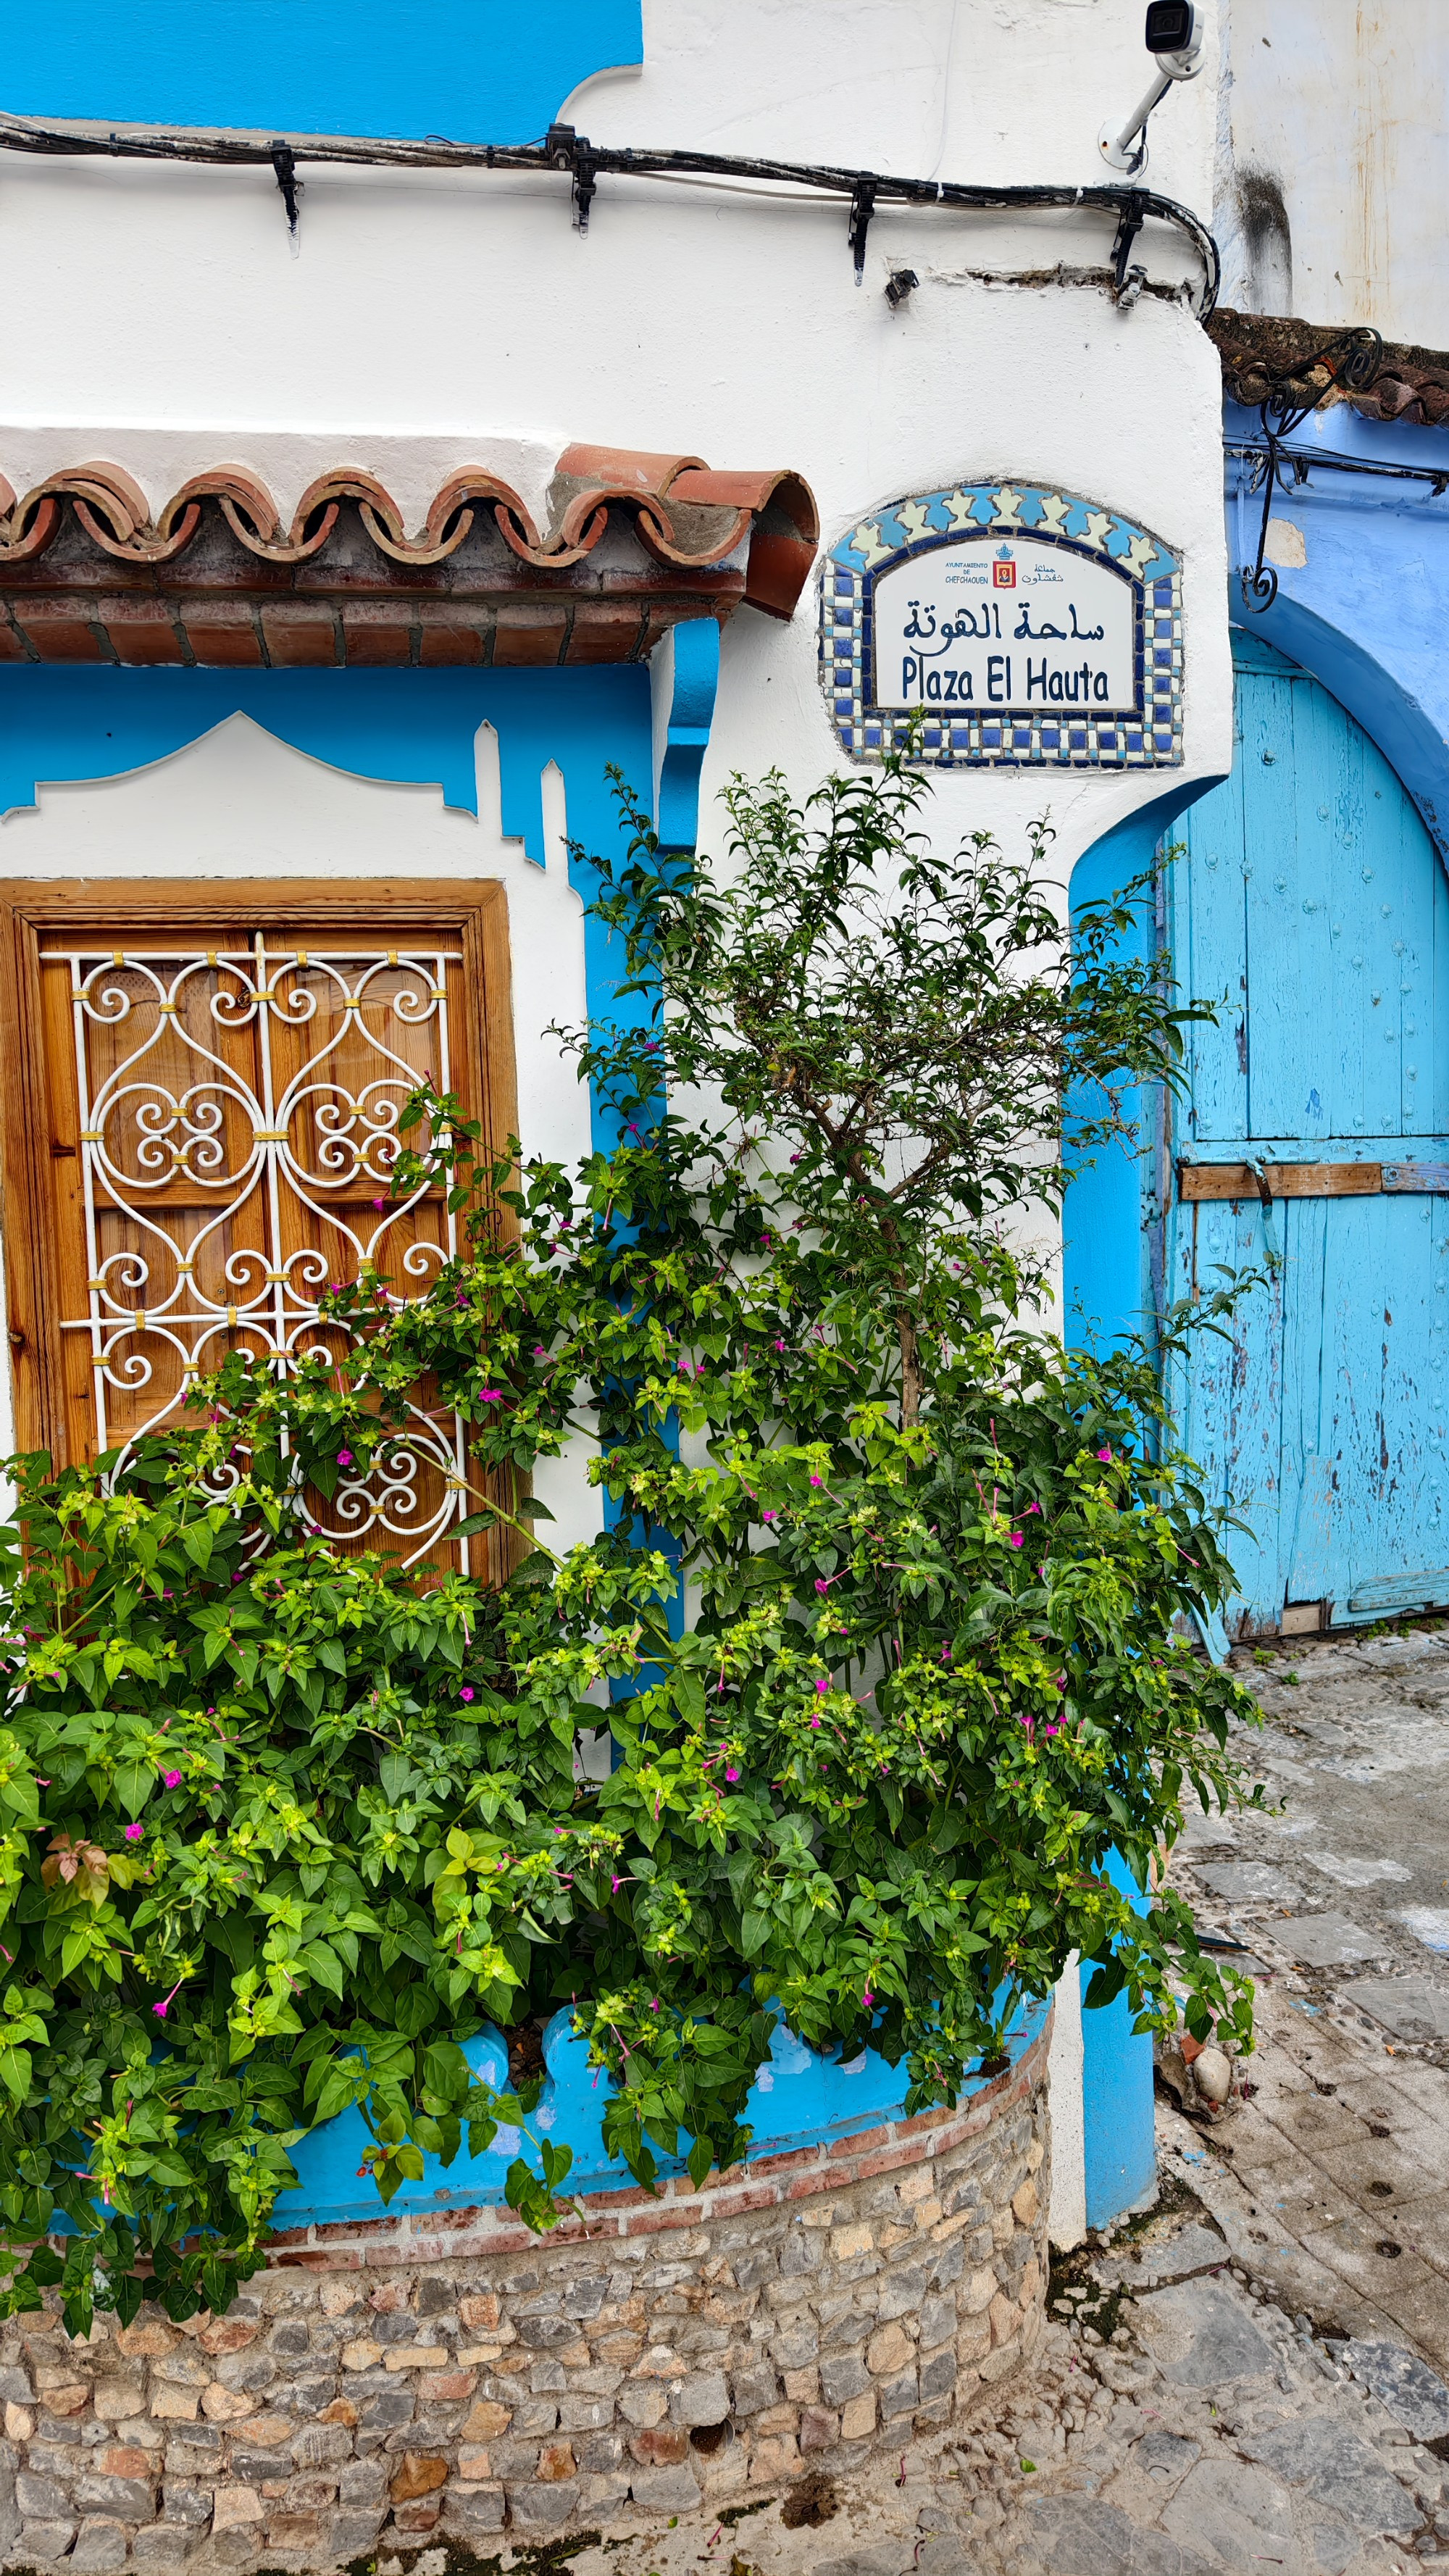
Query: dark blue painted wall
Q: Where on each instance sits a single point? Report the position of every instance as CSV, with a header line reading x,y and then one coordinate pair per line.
x,y
1365,614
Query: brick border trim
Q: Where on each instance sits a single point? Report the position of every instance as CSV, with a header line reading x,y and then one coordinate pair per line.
x,y
772,2182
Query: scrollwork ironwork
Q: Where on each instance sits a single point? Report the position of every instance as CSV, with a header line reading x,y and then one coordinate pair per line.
x,y
239,1115
1351,361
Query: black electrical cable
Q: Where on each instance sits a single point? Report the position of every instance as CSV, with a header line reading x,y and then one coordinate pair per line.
x,y
1309,460
866,191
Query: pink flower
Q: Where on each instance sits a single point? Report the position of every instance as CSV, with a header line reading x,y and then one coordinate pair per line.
x,y
344,1457
822,1685
134,1833
1017,1539
1031,1507
867,1997
779,1346
815,1721
732,1775
539,1352
615,1885
1105,1455
379,1203
491,1395
160,2011
465,1693
769,1516
172,1779
654,2006
817,1480
820,1583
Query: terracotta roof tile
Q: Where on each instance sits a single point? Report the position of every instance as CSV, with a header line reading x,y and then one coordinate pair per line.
x,y
1412,383
703,541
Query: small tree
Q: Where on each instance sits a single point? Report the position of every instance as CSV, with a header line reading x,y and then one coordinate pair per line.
x,y
931,1673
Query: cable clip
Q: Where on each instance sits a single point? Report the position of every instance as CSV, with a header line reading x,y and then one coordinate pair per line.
x,y
570,151
284,162
862,207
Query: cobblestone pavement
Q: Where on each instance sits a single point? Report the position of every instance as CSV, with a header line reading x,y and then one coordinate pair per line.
x,y
1180,2424
1252,2377
1340,1898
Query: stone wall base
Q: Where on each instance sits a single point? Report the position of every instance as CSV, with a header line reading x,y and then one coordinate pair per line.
x,y
382,2387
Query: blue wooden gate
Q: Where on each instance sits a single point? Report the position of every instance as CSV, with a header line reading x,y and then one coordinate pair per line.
x,y
1311,907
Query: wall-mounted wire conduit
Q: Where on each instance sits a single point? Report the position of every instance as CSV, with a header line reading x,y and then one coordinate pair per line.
x,y
865,193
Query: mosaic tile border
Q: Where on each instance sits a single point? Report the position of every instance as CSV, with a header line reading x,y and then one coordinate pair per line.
x,y
1150,738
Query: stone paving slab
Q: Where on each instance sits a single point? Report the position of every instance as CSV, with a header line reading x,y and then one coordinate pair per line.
x,y
1191,2249
1411,2007
1409,2389
1250,1883
1328,1940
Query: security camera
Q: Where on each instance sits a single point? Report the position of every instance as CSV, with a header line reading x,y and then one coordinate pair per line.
x,y
1173,36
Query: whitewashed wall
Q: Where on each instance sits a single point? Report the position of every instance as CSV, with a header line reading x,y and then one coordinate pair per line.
x,y
1333,161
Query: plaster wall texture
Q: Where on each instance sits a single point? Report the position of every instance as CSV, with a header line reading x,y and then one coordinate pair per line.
x,y
388,2383
1331,163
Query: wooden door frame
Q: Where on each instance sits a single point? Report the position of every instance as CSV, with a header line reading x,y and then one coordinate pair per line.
x,y
473,911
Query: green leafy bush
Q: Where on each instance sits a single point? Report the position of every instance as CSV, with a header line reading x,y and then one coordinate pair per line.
x,y
889,1620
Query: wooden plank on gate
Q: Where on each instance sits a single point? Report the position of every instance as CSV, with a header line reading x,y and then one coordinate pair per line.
x,y
1425,1177
1294,1180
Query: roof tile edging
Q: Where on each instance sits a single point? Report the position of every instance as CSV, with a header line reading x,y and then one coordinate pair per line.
x,y
687,517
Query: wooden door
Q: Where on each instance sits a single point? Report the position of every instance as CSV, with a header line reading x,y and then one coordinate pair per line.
x,y
1311,905
201,1133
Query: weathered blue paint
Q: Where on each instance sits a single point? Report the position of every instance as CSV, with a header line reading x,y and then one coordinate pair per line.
x,y
1312,906
1118,2126
689,658
797,2100
405,725
1365,614
479,71
1111,1209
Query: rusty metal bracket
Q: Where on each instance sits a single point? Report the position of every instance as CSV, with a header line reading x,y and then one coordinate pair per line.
x,y
284,163
570,151
1352,360
1127,284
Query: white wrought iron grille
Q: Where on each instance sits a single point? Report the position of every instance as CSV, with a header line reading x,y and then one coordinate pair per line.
x,y
238,1110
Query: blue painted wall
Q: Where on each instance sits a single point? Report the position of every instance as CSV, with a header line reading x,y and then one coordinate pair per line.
x,y
477,71
798,2099
1109,1224
1118,2125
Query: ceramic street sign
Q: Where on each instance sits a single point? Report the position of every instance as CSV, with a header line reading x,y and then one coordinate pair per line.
x,y
1004,625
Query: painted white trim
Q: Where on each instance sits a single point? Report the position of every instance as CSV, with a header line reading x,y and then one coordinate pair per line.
x,y
1067,2210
